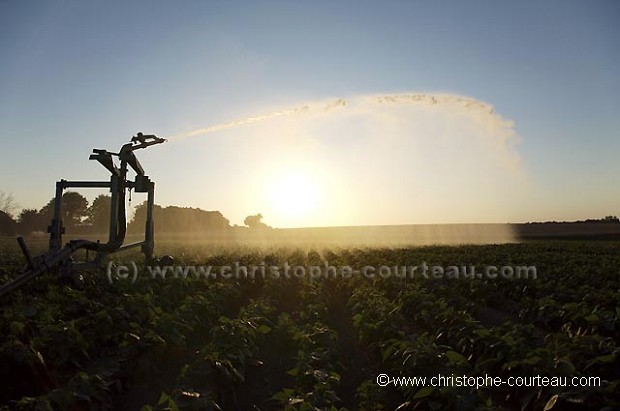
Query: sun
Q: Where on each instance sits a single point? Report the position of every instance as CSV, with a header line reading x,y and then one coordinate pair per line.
x,y
294,195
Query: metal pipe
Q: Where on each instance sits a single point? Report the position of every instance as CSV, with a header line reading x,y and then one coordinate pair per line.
x,y
50,259
86,184
25,251
149,243
55,229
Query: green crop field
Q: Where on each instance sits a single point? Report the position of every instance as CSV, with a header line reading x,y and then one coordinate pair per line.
x,y
317,344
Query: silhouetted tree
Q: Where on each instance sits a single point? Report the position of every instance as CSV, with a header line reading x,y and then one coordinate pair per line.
x,y
175,219
7,224
30,220
99,213
47,212
136,225
74,207
255,221
7,204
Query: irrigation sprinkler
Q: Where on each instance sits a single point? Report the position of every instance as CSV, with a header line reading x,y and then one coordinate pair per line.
x,y
58,257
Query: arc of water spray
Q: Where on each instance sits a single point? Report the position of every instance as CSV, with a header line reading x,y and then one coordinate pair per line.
x,y
248,120
466,103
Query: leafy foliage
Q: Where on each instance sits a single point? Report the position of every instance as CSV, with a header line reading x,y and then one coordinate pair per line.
x,y
301,344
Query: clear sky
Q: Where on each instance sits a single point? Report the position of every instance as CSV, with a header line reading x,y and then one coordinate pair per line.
x,y
80,75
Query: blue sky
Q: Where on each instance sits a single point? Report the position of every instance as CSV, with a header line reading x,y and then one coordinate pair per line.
x,y
78,75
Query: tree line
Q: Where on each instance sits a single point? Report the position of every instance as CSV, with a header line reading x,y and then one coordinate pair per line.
x,y
80,217
76,212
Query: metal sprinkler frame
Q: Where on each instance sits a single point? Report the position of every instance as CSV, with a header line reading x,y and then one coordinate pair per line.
x,y
59,257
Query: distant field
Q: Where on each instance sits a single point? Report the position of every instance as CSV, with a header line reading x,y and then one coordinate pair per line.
x,y
301,344
608,231
388,236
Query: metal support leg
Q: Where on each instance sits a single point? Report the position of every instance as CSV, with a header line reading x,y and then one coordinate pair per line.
x,y
149,242
56,228
114,208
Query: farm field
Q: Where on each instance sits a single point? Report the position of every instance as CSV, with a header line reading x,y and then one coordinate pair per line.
x,y
317,344
309,206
